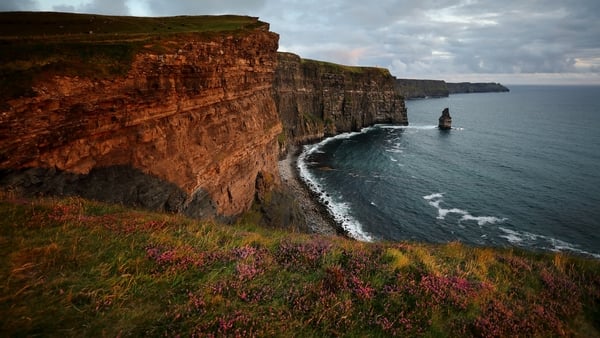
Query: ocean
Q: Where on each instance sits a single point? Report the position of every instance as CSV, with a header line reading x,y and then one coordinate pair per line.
x,y
518,169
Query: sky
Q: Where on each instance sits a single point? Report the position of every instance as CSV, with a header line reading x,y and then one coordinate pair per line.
x,y
508,41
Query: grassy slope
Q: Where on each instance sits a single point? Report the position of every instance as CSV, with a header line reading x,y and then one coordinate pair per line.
x,y
77,268
35,45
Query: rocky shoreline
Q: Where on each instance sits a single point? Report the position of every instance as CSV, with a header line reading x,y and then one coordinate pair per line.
x,y
317,217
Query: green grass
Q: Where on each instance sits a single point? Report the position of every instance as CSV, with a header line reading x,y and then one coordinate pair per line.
x,y
71,267
38,45
338,68
70,25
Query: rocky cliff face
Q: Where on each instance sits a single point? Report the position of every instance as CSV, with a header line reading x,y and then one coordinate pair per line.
x,y
479,87
317,99
190,127
419,89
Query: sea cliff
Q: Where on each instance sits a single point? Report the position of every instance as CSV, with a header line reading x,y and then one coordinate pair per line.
x,y
181,114
418,89
189,125
318,99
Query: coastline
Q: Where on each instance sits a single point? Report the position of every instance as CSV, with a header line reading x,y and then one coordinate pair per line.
x,y
317,217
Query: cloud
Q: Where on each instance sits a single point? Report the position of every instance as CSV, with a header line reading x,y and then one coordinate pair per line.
x,y
17,5
195,7
107,7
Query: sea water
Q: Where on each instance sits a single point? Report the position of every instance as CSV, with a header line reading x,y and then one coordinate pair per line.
x,y
517,169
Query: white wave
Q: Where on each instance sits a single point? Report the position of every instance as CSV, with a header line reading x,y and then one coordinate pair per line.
x,y
434,195
436,199
339,210
393,159
524,238
482,220
420,127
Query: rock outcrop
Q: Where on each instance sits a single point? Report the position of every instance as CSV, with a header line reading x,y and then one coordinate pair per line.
x,y
189,127
445,121
319,99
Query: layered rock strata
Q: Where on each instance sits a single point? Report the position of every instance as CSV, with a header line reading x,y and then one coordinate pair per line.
x,y
190,127
318,99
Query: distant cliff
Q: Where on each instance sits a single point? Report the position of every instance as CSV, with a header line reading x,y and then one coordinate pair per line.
x,y
468,87
179,122
318,99
419,89
416,89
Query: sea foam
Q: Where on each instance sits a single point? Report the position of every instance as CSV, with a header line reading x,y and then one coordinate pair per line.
x,y
419,127
528,239
436,199
338,209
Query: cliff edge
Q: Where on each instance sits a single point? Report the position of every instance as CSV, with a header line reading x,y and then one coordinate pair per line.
x,y
179,117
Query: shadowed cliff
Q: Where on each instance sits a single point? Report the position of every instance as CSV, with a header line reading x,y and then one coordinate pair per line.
x,y
317,99
419,89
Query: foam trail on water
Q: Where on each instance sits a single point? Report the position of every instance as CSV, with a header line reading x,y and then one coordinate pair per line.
x,y
436,199
339,210
422,127
524,238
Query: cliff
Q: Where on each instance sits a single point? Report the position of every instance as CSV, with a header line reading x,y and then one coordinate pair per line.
x,y
318,99
469,87
418,89
178,119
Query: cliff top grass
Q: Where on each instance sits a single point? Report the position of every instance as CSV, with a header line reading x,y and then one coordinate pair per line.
x,y
71,267
35,45
339,68
46,25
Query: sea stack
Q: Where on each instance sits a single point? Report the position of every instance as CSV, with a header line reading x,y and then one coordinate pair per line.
x,y
445,121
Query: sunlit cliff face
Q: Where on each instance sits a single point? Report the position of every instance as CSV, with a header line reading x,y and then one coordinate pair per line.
x,y
198,115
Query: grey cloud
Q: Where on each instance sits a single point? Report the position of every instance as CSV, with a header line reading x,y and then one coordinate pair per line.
x,y
17,5
107,7
195,7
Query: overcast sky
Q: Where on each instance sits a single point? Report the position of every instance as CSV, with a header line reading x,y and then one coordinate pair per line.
x,y
508,41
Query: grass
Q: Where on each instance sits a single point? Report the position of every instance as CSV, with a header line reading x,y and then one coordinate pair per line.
x,y
52,24
73,267
38,45
338,68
